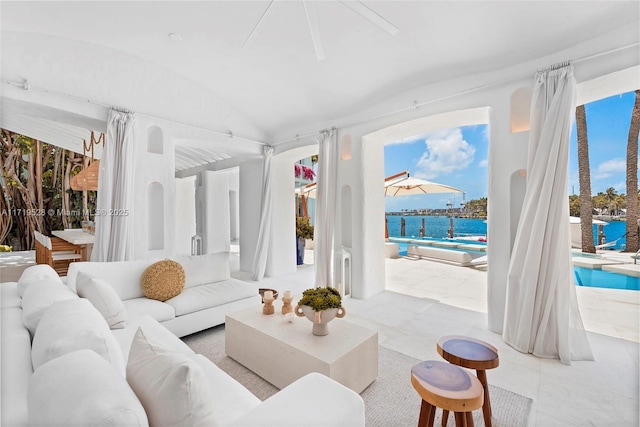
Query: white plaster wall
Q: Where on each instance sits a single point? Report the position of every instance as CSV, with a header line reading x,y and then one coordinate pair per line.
x,y
185,214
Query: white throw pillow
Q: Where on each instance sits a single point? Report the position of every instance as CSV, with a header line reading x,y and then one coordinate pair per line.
x,y
173,389
36,273
104,298
74,325
37,298
82,389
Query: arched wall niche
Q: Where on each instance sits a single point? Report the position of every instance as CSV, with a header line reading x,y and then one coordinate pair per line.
x,y
345,148
155,140
520,109
155,216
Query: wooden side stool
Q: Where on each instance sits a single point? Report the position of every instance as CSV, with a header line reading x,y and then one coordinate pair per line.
x,y
473,354
446,386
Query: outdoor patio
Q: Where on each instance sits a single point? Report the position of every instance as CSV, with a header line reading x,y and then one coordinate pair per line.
x,y
425,300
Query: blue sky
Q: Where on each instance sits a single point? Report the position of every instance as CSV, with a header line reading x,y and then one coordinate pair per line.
x,y
458,156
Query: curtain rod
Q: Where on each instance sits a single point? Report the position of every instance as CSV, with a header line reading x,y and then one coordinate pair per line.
x,y
27,86
417,104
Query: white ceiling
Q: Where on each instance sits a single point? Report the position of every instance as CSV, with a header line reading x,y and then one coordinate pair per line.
x,y
277,84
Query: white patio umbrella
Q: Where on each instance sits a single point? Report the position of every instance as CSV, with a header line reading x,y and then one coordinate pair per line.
x,y
410,186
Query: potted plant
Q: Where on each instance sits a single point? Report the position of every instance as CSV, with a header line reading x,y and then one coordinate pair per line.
x,y
320,306
304,230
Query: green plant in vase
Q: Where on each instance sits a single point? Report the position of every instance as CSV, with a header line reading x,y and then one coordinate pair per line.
x,y
304,230
320,306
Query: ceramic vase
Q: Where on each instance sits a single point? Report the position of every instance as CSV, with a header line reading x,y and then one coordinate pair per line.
x,y
320,319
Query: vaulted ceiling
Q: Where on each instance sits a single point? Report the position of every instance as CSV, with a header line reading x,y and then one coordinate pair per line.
x,y
121,53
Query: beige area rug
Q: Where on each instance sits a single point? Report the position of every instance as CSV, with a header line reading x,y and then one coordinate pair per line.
x,y
389,401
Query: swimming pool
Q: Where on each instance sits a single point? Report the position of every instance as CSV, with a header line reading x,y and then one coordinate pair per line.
x,y
604,279
587,277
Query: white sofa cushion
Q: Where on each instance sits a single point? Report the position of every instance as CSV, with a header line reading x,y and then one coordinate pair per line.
x,y
157,309
74,325
299,400
123,276
16,367
198,298
230,398
202,269
82,389
37,298
36,273
173,389
103,298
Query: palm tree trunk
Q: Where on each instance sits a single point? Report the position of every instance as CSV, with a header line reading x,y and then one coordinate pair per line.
x,y
632,177
584,172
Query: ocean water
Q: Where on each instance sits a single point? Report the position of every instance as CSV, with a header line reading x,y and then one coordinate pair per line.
x,y
437,226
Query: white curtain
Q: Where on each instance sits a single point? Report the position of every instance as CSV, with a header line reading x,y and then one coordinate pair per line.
x,y
114,210
541,313
325,217
262,246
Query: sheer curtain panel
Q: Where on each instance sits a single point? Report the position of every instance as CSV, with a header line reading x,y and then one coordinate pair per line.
x,y
325,218
541,313
262,246
114,210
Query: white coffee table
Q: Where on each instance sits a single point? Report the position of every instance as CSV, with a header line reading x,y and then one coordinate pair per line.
x,y
281,352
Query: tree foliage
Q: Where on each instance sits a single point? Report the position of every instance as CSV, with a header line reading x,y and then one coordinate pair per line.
x,y
36,192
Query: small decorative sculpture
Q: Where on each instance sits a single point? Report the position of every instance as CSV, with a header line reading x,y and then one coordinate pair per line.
x,y
268,303
286,302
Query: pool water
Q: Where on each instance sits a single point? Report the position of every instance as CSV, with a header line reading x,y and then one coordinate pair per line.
x,y
605,279
584,276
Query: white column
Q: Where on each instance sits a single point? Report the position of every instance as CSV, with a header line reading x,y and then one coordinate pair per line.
x,y
507,155
250,189
282,244
155,163
185,214
216,226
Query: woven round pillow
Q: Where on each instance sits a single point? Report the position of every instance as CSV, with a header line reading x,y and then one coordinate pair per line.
x,y
163,280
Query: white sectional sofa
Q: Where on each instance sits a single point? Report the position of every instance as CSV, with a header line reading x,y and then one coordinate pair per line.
x,y
61,364
209,293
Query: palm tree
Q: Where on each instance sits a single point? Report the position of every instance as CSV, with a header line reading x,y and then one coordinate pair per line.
x,y
584,173
610,195
632,177
600,202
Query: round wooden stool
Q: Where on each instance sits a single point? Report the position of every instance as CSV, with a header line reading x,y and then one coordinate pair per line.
x,y
473,354
446,386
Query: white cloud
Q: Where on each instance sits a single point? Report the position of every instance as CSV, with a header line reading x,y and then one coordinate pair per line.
x,y
483,163
446,152
610,167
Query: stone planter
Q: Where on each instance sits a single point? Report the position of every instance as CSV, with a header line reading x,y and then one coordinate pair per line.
x,y
320,319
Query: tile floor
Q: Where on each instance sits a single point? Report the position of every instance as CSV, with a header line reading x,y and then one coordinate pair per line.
x,y
425,300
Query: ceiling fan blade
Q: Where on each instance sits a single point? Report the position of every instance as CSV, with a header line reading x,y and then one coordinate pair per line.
x,y
374,17
249,40
310,10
